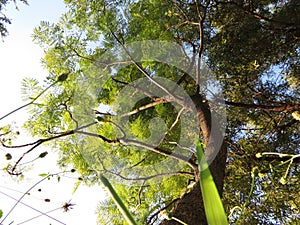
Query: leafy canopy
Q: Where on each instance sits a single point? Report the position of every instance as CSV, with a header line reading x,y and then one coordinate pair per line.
x,y
253,49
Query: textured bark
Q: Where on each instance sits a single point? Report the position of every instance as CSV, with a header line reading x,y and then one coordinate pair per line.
x,y
190,208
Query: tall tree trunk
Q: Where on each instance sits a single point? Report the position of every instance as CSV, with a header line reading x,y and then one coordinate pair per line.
x,y
190,208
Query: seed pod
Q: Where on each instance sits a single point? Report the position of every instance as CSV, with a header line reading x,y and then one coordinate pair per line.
x,y
8,156
62,77
43,154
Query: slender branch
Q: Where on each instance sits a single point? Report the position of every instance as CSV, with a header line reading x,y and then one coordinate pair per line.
x,y
31,102
238,149
139,89
70,114
19,146
97,61
147,106
144,178
119,128
157,101
182,147
139,195
286,125
39,142
114,141
6,133
136,143
104,120
159,151
253,175
140,162
278,108
163,208
19,160
141,69
201,36
181,10
187,73
81,56
176,121
184,23
279,157
182,173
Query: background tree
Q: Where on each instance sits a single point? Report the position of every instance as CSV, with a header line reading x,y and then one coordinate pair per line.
x,y
3,18
251,46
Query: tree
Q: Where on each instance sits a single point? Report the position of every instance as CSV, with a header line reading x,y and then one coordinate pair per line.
x,y
103,114
3,18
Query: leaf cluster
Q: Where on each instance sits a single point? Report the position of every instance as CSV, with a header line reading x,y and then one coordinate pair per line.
x,y
251,46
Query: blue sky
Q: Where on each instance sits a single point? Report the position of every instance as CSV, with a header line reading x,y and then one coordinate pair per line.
x,y
20,58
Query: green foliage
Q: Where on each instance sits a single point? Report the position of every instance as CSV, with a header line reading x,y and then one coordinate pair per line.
x,y
251,46
30,89
126,214
142,198
212,201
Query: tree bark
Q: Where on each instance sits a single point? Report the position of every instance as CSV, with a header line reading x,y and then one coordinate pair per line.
x,y
190,208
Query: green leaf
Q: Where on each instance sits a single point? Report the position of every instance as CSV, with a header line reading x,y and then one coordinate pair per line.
x,y
214,209
43,174
1,213
76,185
118,201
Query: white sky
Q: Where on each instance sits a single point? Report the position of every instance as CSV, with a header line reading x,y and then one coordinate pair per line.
x,y
20,58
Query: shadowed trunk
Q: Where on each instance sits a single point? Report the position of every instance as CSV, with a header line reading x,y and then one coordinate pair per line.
x,y
190,208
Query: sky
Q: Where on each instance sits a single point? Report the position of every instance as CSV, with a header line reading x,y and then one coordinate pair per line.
x,y
20,58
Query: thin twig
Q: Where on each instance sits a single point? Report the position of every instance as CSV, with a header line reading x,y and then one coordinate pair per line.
x,y
41,141
163,208
176,120
181,173
142,70
29,103
152,104
158,150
